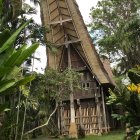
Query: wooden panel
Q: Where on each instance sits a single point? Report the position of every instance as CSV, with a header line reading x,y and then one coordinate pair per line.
x,y
69,25
71,32
54,15
53,6
62,4
89,118
64,11
51,1
65,17
57,29
58,37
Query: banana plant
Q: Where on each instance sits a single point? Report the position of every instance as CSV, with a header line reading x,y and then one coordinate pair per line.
x,y
11,60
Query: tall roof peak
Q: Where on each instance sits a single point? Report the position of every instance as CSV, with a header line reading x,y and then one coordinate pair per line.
x,y
67,28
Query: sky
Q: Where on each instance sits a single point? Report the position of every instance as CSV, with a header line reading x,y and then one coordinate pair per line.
x,y
84,6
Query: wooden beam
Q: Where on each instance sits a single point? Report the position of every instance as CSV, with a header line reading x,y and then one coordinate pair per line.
x,y
68,42
60,21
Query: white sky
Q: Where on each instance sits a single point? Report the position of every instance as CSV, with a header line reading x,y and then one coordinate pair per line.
x,y
84,6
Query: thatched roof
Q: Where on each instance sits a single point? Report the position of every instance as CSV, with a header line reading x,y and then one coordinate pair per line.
x,y
64,18
106,63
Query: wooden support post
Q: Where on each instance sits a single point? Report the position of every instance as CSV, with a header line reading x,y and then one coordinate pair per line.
x,y
90,118
80,112
81,127
104,111
94,120
58,118
62,119
99,117
98,111
73,128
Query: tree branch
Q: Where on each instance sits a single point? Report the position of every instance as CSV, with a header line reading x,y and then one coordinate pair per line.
x,y
45,123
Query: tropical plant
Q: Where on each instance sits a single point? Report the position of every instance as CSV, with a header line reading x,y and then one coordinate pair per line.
x,y
11,60
13,52
128,99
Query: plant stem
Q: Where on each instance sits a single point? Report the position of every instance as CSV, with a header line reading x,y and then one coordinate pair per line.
x,y
24,118
17,120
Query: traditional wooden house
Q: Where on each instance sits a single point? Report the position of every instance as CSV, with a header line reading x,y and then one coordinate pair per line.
x,y
76,51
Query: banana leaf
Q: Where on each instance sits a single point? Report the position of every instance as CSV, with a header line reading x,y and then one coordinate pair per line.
x,y
4,36
11,60
4,70
26,53
13,74
12,39
25,80
4,85
5,56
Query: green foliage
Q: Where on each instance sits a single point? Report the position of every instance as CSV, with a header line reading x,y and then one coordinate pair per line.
x,y
10,62
57,83
128,99
54,85
118,23
134,75
128,102
12,39
49,89
11,77
1,6
4,36
13,53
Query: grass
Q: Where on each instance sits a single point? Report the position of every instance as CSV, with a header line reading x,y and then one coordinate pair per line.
x,y
114,135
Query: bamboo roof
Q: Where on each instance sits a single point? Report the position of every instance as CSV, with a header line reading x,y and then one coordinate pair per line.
x,y
67,28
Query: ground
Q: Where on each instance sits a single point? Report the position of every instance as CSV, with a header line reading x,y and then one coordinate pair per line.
x,y
116,135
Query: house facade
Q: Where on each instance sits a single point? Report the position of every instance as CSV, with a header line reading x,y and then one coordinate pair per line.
x,y
75,50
